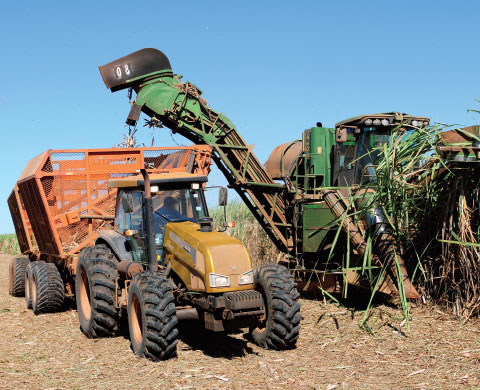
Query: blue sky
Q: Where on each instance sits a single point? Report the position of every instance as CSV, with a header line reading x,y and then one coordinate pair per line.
x,y
275,68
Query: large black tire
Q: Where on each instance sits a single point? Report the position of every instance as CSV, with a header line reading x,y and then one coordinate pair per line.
x,y
16,276
47,289
95,292
152,319
280,329
28,283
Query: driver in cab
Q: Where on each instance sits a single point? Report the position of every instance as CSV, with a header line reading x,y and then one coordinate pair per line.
x,y
169,210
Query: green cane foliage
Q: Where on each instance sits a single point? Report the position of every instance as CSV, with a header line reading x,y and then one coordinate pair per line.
x,y
401,290
363,322
434,212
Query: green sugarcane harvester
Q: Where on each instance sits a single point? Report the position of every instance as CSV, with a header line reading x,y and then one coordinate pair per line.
x,y
302,214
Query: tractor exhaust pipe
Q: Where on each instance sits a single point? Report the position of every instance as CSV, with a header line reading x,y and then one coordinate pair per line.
x,y
149,225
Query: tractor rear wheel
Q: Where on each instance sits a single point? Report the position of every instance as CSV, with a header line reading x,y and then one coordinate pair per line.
x,y
16,276
46,288
95,292
152,319
281,325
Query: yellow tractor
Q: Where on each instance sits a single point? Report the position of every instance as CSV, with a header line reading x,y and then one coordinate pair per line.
x,y
164,262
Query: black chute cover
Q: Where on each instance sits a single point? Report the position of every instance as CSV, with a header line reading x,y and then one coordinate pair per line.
x,y
115,74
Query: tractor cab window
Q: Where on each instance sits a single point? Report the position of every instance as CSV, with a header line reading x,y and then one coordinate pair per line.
x,y
132,221
370,145
177,205
129,221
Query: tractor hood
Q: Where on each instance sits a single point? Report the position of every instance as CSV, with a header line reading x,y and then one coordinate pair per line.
x,y
195,255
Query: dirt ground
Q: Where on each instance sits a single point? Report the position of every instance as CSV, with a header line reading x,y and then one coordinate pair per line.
x,y
438,352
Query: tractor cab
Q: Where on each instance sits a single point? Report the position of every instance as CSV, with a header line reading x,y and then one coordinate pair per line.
x,y
175,198
358,142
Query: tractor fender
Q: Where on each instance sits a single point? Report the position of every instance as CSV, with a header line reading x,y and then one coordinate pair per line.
x,y
116,242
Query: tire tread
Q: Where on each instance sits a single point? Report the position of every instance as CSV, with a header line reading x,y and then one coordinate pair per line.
x,y
283,321
101,268
50,288
160,331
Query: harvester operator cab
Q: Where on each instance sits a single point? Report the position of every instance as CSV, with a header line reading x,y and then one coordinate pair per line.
x,y
359,143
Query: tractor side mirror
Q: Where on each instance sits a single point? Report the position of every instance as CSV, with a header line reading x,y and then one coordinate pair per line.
x,y
127,203
222,196
341,134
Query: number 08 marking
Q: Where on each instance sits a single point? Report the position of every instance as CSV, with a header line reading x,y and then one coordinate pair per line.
x,y
122,70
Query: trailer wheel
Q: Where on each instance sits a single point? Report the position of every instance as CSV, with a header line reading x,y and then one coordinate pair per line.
x,y
46,288
95,292
152,319
280,329
16,276
28,283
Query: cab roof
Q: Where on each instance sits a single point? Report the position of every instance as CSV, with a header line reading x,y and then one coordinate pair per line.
x,y
156,179
394,118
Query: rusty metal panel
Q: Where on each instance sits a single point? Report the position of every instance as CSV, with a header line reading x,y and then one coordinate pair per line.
x,y
37,214
19,222
58,187
282,160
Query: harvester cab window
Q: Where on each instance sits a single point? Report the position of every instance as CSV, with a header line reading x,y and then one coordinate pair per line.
x,y
345,161
346,155
370,148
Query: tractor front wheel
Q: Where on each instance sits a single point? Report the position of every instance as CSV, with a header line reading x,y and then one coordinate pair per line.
x,y
152,319
280,328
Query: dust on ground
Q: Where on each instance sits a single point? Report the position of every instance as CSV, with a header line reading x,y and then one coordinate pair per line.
x,y
438,352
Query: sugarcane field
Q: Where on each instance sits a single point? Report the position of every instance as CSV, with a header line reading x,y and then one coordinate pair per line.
x,y
299,210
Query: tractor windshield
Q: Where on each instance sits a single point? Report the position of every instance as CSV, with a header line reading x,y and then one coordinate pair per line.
x,y
179,205
370,145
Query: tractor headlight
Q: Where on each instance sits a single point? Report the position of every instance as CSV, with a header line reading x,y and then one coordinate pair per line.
x,y
246,277
217,280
